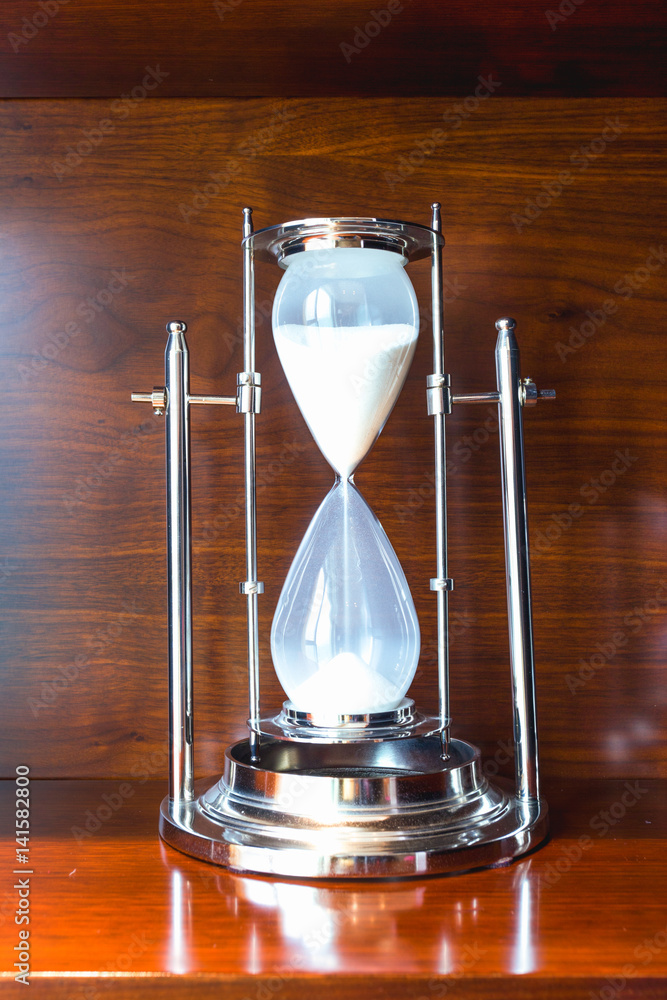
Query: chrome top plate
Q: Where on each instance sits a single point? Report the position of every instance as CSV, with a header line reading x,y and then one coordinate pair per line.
x,y
411,240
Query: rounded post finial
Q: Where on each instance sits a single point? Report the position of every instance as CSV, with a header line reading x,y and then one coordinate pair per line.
x,y
177,326
436,221
505,323
247,221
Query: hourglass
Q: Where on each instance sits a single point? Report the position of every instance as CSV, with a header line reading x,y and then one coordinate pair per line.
x,y
345,636
349,778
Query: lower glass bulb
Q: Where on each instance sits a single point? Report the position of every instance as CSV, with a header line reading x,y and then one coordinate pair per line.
x,y
345,637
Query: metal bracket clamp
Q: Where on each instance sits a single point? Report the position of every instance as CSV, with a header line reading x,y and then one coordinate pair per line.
x,y
251,587
438,583
529,393
248,392
438,394
157,398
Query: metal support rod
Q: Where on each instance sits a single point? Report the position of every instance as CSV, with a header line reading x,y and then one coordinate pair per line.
x,y
515,519
213,400
179,567
442,591
477,397
250,494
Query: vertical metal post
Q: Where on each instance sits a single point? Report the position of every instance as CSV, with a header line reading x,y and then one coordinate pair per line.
x,y
439,404
517,563
179,567
248,403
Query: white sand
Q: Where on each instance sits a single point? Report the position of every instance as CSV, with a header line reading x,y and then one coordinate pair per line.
x,y
345,686
345,380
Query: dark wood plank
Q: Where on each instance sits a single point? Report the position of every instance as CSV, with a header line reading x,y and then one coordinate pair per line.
x,y
82,555
261,48
116,912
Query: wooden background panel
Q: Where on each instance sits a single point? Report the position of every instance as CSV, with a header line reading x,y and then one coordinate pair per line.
x,y
217,48
129,223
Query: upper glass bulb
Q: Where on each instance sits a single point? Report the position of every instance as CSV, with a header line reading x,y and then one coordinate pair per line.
x,y
345,323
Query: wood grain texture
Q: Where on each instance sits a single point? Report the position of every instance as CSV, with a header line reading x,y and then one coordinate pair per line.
x,y
117,913
221,48
134,228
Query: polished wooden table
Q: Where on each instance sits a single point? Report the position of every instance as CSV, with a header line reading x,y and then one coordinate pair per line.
x,y
115,912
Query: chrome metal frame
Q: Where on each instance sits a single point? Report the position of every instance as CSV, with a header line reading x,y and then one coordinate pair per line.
x,y
438,811
438,398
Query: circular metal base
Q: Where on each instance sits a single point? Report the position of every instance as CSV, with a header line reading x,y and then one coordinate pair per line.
x,y
403,722
374,810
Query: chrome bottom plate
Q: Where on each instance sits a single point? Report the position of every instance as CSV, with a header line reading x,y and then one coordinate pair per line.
x,y
372,810
403,722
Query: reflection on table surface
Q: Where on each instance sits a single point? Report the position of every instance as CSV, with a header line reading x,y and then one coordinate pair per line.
x,y
353,927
